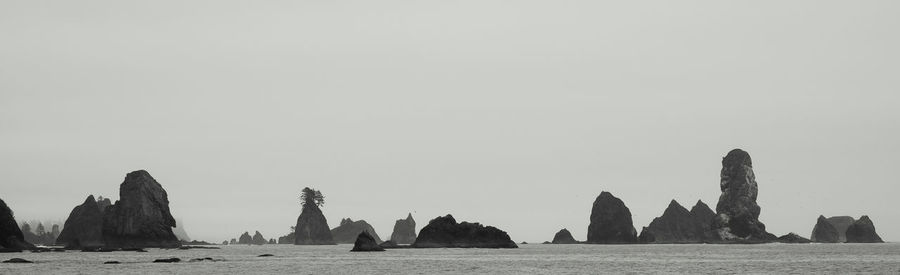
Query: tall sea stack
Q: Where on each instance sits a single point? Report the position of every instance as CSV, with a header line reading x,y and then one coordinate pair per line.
x,y
610,221
84,227
11,237
737,214
312,228
141,217
404,231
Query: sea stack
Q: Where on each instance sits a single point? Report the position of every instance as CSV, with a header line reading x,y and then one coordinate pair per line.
x,y
737,214
141,217
678,225
349,230
610,221
404,231
863,231
312,228
366,243
84,227
11,237
563,237
446,232
824,232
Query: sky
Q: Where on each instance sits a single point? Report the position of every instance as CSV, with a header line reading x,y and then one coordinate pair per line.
x,y
515,114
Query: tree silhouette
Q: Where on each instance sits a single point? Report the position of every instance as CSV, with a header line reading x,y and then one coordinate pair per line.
x,y
312,196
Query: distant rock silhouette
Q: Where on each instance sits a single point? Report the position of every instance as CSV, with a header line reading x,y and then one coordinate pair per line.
x,y
245,238
404,231
365,242
349,230
312,227
258,239
678,225
737,214
793,238
141,217
610,221
11,237
863,231
84,227
564,237
825,232
446,232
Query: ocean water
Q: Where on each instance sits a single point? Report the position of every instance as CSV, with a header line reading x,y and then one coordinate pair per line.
x,y
528,259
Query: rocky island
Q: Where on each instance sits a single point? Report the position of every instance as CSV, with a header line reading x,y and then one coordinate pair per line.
x,y
610,221
312,227
141,217
678,225
446,232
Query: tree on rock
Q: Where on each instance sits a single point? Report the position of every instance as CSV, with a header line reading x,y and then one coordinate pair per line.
x,y
311,196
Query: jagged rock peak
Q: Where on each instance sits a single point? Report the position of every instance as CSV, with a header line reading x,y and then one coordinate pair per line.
x,y
11,237
83,227
404,231
312,227
610,221
824,232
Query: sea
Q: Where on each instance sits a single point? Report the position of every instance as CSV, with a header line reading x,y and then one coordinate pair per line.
x,y
528,259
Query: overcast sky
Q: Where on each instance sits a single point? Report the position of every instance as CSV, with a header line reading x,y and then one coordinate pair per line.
x,y
515,114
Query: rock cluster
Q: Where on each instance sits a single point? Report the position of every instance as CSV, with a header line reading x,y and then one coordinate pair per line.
x,y
737,214
610,221
446,232
11,237
678,225
404,231
141,216
840,229
349,230
563,237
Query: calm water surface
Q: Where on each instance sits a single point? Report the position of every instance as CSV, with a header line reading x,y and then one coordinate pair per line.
x,y
532,258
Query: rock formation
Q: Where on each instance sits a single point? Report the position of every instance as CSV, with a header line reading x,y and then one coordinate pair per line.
x,y
824,232
563,237
245,238
258,239
610,221
446,232
84,227
841,223
678,225
792,238
863,231
737,214
312,227
366,243
349,230
404,231
11,237
141,217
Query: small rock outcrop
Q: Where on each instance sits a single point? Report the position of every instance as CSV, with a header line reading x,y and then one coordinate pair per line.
x,y
824,232
563,237
792,238
610,221
737,214
349,230
141,217
11,237
312,227
404,231
84,227
863,231
678,225
446,232
366,243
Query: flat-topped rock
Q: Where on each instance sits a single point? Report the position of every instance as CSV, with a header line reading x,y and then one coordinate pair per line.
x,y
446,232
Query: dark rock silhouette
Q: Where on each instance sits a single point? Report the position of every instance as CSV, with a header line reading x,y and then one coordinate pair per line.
x,y
737,214
610,221
349,230
169,260
266,255
824,232
273,241
112,262
862,231
141,217
18,261
84,227
446,232
312,227
404,230
11,237
366,243
793,238
841,223
678,225
258,239
103,203
287,239
245,238
564,237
